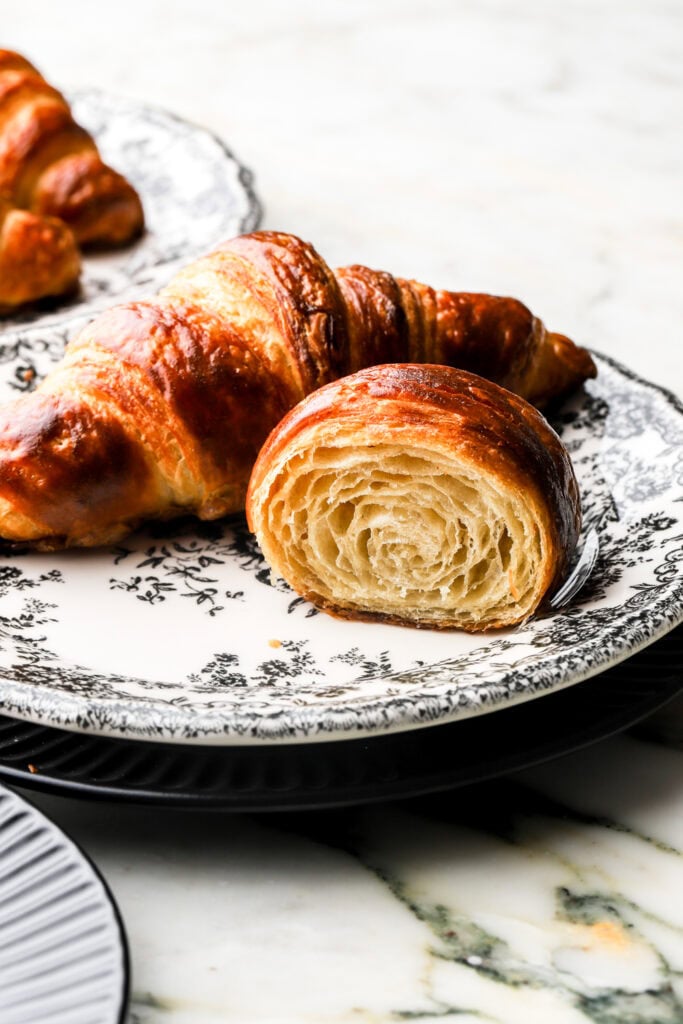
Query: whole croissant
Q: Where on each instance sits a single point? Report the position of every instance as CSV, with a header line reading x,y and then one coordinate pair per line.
x,y
38,257
416,495
159,408
51,165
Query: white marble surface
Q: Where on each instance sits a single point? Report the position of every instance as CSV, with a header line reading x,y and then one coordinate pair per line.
x,y
519,147
555,896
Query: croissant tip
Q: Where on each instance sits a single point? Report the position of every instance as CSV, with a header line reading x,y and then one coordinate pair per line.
x,y
576,356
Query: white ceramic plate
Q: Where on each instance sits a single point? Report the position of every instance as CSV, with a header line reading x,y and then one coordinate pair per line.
x,y
179,633
63,957
194,191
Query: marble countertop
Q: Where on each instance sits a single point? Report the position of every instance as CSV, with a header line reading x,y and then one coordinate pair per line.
x,y
553,896
498,145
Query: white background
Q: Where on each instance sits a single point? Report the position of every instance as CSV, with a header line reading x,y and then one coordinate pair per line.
x,y
525,148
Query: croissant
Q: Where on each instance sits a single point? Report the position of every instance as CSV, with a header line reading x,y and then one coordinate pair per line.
x,y
38,257
50,165
418,495
159,408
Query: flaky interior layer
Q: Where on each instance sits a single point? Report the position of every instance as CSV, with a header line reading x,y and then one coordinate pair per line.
x,y
405,534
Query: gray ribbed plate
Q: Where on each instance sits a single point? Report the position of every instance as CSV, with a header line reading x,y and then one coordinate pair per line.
x,y
63,954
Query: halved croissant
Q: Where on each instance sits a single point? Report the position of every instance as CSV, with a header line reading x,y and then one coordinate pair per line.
x,y
160,407
38,257
419,495
51,165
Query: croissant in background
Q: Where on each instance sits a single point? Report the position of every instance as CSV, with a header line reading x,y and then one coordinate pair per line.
x,y
51,166
159,408
418,495
38,257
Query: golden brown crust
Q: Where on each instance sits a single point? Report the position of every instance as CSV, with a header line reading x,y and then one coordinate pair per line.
x,y
50,165
375,453
282,298
379,329
38,257
209,394
57,444
98,204
496,337
11,61
198,376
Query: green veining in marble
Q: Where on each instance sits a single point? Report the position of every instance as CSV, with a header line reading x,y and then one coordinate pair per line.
x,y
440,1014
500,809
617,1007
465,942
589,907
461,940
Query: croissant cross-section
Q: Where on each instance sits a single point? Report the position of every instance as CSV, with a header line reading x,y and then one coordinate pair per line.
x,y
419,495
